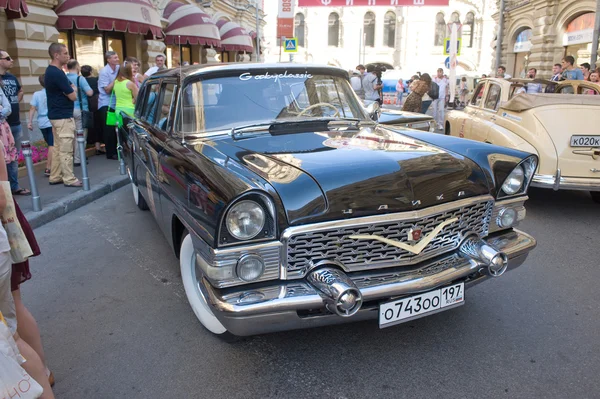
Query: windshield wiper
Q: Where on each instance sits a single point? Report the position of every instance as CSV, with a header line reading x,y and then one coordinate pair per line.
x,y
274,127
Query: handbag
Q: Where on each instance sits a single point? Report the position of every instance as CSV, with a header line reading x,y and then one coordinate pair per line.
x,y
87,117
111,114
20,249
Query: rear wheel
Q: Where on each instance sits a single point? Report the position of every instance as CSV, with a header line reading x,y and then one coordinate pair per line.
x,y
190,278
595,196
447,129
137,198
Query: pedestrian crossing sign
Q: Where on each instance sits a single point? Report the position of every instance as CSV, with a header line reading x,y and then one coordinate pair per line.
x,y
290,45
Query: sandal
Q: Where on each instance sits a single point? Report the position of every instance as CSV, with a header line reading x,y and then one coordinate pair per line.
x,y
76,184
47,172
21,191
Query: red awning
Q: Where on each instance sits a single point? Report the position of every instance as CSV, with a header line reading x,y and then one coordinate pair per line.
x,y
14,8
234,37
188,24
133,16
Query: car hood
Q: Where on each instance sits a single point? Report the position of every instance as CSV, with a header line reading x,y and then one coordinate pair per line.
x,y
392,117
332,175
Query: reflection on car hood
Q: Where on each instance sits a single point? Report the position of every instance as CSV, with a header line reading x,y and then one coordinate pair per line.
x,y
393,117
332,175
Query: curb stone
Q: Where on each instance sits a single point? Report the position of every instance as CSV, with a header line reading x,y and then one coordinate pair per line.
x,y
74,201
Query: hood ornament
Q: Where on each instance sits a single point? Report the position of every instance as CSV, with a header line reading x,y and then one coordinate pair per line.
x,y
415,249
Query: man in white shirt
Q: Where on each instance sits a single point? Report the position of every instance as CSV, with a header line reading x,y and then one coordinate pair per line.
x,y
439,105
160,64
371,86
533,88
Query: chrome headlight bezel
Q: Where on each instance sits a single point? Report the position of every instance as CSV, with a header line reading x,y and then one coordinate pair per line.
x,y
262,201
527,167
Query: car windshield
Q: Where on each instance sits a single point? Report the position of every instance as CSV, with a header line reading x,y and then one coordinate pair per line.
x,y
247,99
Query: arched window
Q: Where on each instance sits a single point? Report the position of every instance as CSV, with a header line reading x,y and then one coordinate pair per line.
x,y
468,29
369,28
299,29
440,29
389,29
333,37
455,19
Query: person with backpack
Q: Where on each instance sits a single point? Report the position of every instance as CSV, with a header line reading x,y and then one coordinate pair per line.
x,y
439,102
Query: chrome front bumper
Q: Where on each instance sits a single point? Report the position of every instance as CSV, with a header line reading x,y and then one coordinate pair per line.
x,y
287,305
557,182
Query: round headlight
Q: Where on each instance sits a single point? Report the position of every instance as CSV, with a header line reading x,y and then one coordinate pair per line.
x,y
506,217
245,220
514,181
250,267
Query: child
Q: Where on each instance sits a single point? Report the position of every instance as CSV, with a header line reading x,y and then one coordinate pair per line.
x,y
39,103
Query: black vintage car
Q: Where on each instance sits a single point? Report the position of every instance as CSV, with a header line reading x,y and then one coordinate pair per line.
x,y
290,208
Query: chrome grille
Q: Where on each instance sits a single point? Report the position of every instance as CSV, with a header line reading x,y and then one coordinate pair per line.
x,y
307,247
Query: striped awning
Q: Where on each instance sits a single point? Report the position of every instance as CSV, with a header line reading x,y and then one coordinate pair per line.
x,y
234,37
133,16
14,8
190,25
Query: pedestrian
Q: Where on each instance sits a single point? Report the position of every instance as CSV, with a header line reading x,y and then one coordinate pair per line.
x,y
501,73
95,135
39,104
14,92
586,70
426,100
33,364
160,63
106,101
439,105
556,77
594,78
463,91
371,86
10,150
569,71
138,78
532,87
399,92
484,76
83,91
414,101
356,83
125,90
61,97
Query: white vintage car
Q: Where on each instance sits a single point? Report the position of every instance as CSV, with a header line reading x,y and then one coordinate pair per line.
x,y
562,128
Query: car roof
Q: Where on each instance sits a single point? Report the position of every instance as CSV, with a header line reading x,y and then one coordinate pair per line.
x,y
229,69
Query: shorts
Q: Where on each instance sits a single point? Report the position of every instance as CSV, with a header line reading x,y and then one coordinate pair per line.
x,y
47,133
7,303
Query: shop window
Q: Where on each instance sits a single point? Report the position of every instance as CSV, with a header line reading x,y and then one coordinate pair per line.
x,y
578,37
440,29
369,29
299,29
89,47
333,36
116,45
389,29
468,29
174,58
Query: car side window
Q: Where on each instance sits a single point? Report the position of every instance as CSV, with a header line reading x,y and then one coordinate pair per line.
x,y
492,100
167,103
150,94
478,95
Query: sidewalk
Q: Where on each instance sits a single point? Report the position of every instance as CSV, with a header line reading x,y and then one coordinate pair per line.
x,y
58,200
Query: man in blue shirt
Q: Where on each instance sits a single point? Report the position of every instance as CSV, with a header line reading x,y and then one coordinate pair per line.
x,y
61,95
569,71
106,101
13,90
83,91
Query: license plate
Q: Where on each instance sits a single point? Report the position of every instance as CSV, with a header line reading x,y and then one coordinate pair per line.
x,y
585,141
413,307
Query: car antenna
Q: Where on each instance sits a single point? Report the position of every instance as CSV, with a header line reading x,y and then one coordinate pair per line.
x,y
182,94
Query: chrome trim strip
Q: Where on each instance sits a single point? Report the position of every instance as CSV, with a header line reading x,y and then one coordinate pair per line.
x,y
566,183
299,295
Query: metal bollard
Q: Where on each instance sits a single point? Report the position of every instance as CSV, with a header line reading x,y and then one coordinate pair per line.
x,y
122,169
84,171
35,196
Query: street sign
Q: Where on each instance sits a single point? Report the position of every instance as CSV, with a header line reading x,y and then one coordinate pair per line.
x,y
447,62
290,45
447,46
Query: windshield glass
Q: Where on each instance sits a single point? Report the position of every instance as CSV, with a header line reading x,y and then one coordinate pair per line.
x,y
229,102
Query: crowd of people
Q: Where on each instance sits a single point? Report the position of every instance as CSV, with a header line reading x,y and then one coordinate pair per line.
x,y
70,99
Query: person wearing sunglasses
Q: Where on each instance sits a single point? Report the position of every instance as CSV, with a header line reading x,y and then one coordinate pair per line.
x,y
13,90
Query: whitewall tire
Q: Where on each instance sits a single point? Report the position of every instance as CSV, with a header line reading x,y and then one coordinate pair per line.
x,y
138,199
197,301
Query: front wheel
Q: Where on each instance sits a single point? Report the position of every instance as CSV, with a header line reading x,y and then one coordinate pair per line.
x,y
595,196
190,279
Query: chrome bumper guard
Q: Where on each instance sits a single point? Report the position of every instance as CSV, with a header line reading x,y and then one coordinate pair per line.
x,y
557,182
329,296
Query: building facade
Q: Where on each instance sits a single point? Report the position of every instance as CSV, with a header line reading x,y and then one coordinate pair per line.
x,y
539,33
209,31
407,38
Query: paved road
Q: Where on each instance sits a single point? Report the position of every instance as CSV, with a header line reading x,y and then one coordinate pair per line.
x,y
109,300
